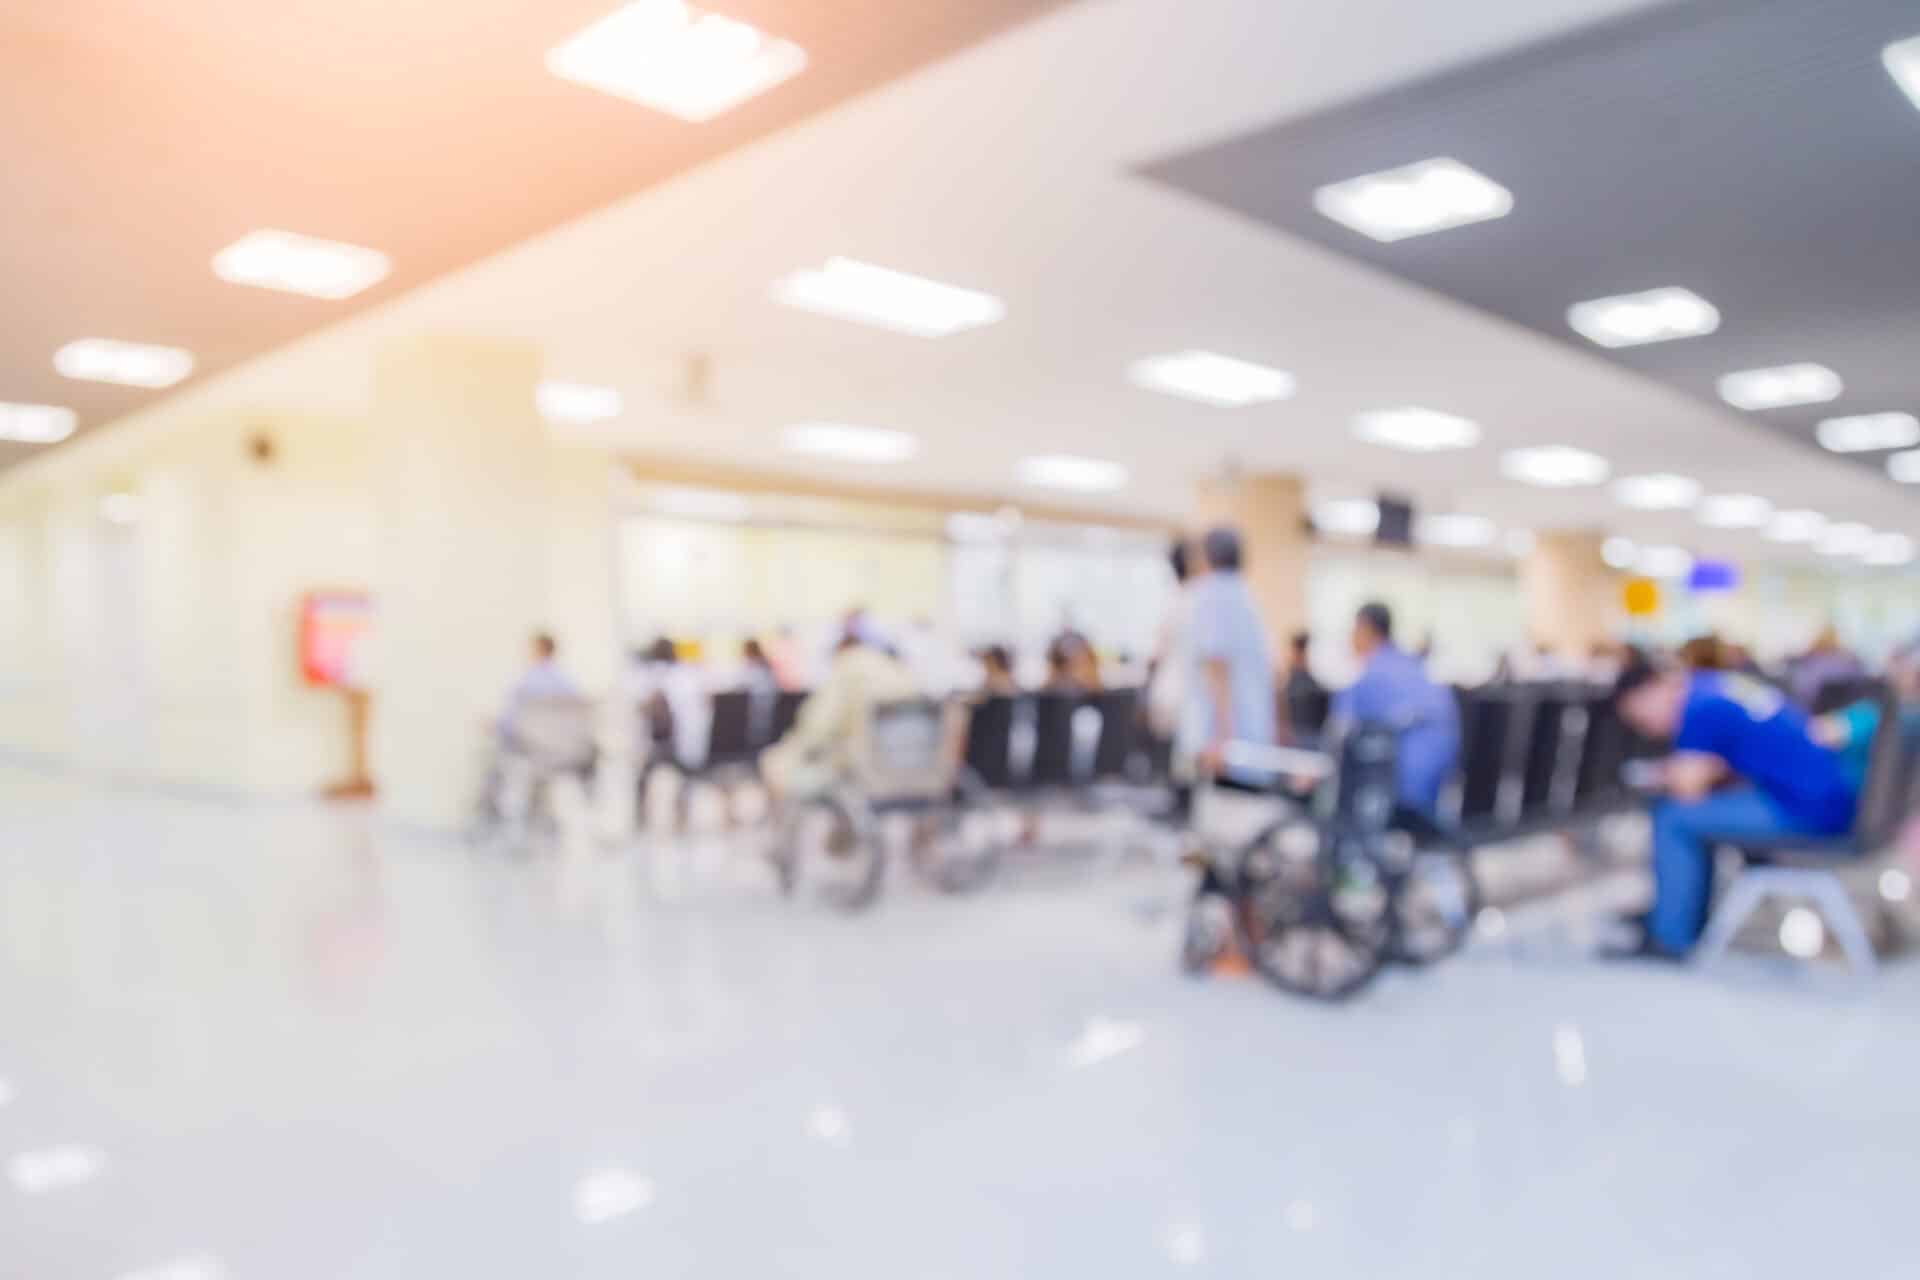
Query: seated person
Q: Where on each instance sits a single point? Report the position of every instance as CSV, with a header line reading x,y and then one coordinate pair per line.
x,y
824,745
1850,730
1744,764
543,678
672,702
996,672
756,669
1394,690
1072,665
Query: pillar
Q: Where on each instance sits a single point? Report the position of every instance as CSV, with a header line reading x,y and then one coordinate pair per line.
x,y
461,579
1570,593
1270,511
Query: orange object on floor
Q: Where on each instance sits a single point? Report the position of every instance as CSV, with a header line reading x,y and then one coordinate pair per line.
x,y
1231,963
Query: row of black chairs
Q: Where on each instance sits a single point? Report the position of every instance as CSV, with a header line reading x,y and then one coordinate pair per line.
x,y
1535,757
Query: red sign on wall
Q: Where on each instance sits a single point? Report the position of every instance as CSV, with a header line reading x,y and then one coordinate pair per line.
x,y
334,626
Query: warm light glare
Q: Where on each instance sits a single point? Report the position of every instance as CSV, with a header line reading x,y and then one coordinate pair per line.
x,y
1416,430
676,58
36,423
293,263
1631,319
1457,530
1080,475
576,403
847,289
1211,378
130,364
1661,491
1554,466
1795,526
1734,511
846,443
1905,467
1414,200
1780,387
1867,432
1349,517
1902,60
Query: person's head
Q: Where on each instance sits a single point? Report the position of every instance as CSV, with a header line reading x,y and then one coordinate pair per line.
x,y
753,653
1372,628
1703,653
544,646
1650,697
997,660
661,650
1180,559
1299,644
1220,548
1825,640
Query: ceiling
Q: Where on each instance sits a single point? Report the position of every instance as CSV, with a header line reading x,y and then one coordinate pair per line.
x,y
1012,167
138,139
1756,154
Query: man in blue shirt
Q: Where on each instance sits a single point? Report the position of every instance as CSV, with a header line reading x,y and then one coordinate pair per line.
x,y
1230,688
1744,764
1394,690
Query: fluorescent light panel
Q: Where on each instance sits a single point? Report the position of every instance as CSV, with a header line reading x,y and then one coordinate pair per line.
x,y
1456,530
36,423
1795,526
1849,538
1888,549
1416,430
1633,319
576,403
1211,378
293,263
128,364
1619,552
1554,466
1780,387
1664,562
1902,60
847,443
1734,511
1081,475
1866,432
848,289
1660,491
676,58
1905,467
1414,200
1348,517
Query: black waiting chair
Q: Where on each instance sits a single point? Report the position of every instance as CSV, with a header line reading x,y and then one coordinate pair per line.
x,y
1486,727
989,753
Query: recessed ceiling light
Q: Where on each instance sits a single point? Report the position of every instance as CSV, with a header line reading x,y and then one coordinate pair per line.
x,y
130,364
610,1193
1866,432
1211,378
848,443
52,1168
1416,430
1554,466
1631,319
1414,200
1349,517
1664,562
35,423
1902,59
1795,526
1780,387
293,263
576,403
847,289
1660,491
1619,553
676,58
1905,467
1453,530
1734,511
1888,549
1846,539
1063,471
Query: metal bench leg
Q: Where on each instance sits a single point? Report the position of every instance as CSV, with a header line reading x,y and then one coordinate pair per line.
x,y
1836,906
1744,896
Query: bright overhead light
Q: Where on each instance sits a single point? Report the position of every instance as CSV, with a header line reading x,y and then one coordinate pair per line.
x,y
36,423
676,58
846,443
55,1168
1734,511
201,1266
1554,466
1846,539
576,403
1888,549
1902,59
1351,517
1631,319
1063,471
1620,553
293,263
847,289
130,364
1660,491
606,1194
1905,467
1452,530
1211,378
1866,432
1664,562
1416,430
1414,200
1780,387
1795,526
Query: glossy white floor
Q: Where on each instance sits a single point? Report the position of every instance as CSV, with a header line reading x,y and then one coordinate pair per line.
x,y
274,1043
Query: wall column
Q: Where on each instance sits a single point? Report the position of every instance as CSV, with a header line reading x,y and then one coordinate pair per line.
x,y
1570,592
1270,512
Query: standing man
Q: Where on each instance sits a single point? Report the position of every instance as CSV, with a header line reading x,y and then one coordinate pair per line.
x,y
1230,688
1394,690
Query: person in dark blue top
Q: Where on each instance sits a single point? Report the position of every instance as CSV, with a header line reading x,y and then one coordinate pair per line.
x,y
1744,764
1394,690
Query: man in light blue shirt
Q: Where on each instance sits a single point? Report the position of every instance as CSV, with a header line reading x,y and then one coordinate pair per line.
x,y
1394,690
543,679
1230,691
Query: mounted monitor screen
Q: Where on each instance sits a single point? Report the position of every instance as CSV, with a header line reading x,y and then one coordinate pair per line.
x,y
1396,522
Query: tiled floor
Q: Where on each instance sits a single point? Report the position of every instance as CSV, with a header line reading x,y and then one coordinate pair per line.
x,y
284,1045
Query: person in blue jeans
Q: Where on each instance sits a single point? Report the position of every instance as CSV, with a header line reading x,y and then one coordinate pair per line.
x,y
1395,690
1744,765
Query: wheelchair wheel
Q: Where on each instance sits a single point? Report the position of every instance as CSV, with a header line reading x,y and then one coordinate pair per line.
x,y
959,848
1435,900
825,852
1315,926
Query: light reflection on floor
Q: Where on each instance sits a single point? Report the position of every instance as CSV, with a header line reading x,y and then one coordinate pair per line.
x,y
304,1049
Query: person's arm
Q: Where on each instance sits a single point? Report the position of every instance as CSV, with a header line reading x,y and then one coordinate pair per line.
x,y
1691,775
1215,677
